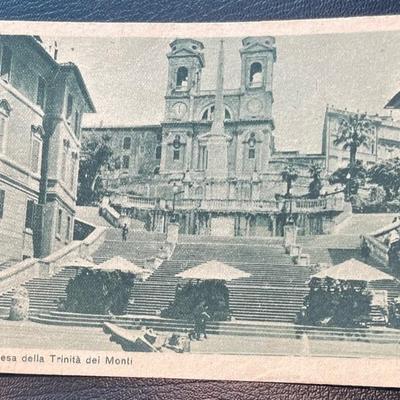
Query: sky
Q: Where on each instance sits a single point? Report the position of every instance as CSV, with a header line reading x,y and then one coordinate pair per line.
x,y
127,78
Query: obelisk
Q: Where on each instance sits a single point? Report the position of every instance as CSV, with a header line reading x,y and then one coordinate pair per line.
x,y
217,145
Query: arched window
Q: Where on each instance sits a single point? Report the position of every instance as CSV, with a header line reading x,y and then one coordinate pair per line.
x,y
203,158
158,152
176,145
182,76
256,77
208,114
252,146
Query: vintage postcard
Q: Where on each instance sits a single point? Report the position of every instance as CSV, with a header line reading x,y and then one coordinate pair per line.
x,y
209,201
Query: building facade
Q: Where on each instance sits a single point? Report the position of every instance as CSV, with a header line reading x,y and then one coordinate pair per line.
x,y
213,155
41,106
383,143
178,149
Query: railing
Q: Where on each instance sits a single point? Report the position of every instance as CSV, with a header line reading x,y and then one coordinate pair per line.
x,y
33,268
295,205
109,213
379,250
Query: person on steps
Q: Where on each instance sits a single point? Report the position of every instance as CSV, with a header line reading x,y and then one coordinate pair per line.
x,y
125,231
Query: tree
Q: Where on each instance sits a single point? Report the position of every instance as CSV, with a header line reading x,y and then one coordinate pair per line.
x,y
386,174
351,177
353,132
96,158
289,175
315,186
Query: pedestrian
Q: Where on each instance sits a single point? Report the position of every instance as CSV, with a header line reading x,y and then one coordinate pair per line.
x,y
365,250
198,322
204,318
125,231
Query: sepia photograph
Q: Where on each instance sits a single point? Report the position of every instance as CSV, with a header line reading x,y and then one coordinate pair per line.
x,y
215,195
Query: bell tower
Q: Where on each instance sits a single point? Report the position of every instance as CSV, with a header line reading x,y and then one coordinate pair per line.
x,y
258,56
186,61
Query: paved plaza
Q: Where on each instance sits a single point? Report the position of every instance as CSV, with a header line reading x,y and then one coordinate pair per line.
x,y
27,334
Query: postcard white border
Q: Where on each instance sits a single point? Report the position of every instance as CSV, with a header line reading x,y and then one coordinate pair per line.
x,y
317,370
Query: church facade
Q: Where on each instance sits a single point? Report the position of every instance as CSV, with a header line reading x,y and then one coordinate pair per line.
x,y
213,146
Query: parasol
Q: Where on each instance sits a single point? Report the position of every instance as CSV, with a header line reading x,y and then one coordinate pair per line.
x,y
121,264
79,262
353,270
213,270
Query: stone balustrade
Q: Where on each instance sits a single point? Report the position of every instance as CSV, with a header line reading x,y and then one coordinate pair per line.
x,y
330,203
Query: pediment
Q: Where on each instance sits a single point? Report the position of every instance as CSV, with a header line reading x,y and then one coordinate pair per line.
x,y
183,53
256,47
5,107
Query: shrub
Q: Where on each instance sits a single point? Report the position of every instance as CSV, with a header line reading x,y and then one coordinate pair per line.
x,y
98,292
215,294
336,303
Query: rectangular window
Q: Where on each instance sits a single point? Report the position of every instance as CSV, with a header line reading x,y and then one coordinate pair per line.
x,y
59,222
70,102
63,164
252,153
125,162
68,230
30,212
2,200
41,92
77,124
127,143
6,57
158,152
176,155
35,155
72,174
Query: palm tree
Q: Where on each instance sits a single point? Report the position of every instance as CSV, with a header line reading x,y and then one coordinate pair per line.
x,y
315,186
353,132
289,175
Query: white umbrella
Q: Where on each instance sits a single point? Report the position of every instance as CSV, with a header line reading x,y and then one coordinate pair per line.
x,y
121,264
79,262
213,270
353,270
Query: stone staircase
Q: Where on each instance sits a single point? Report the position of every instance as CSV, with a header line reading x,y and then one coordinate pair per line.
x,y
44,293
139,246
91,215
362,224
274,291
7,263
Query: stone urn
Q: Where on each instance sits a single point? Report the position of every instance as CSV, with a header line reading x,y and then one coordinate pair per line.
x,y
19,309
